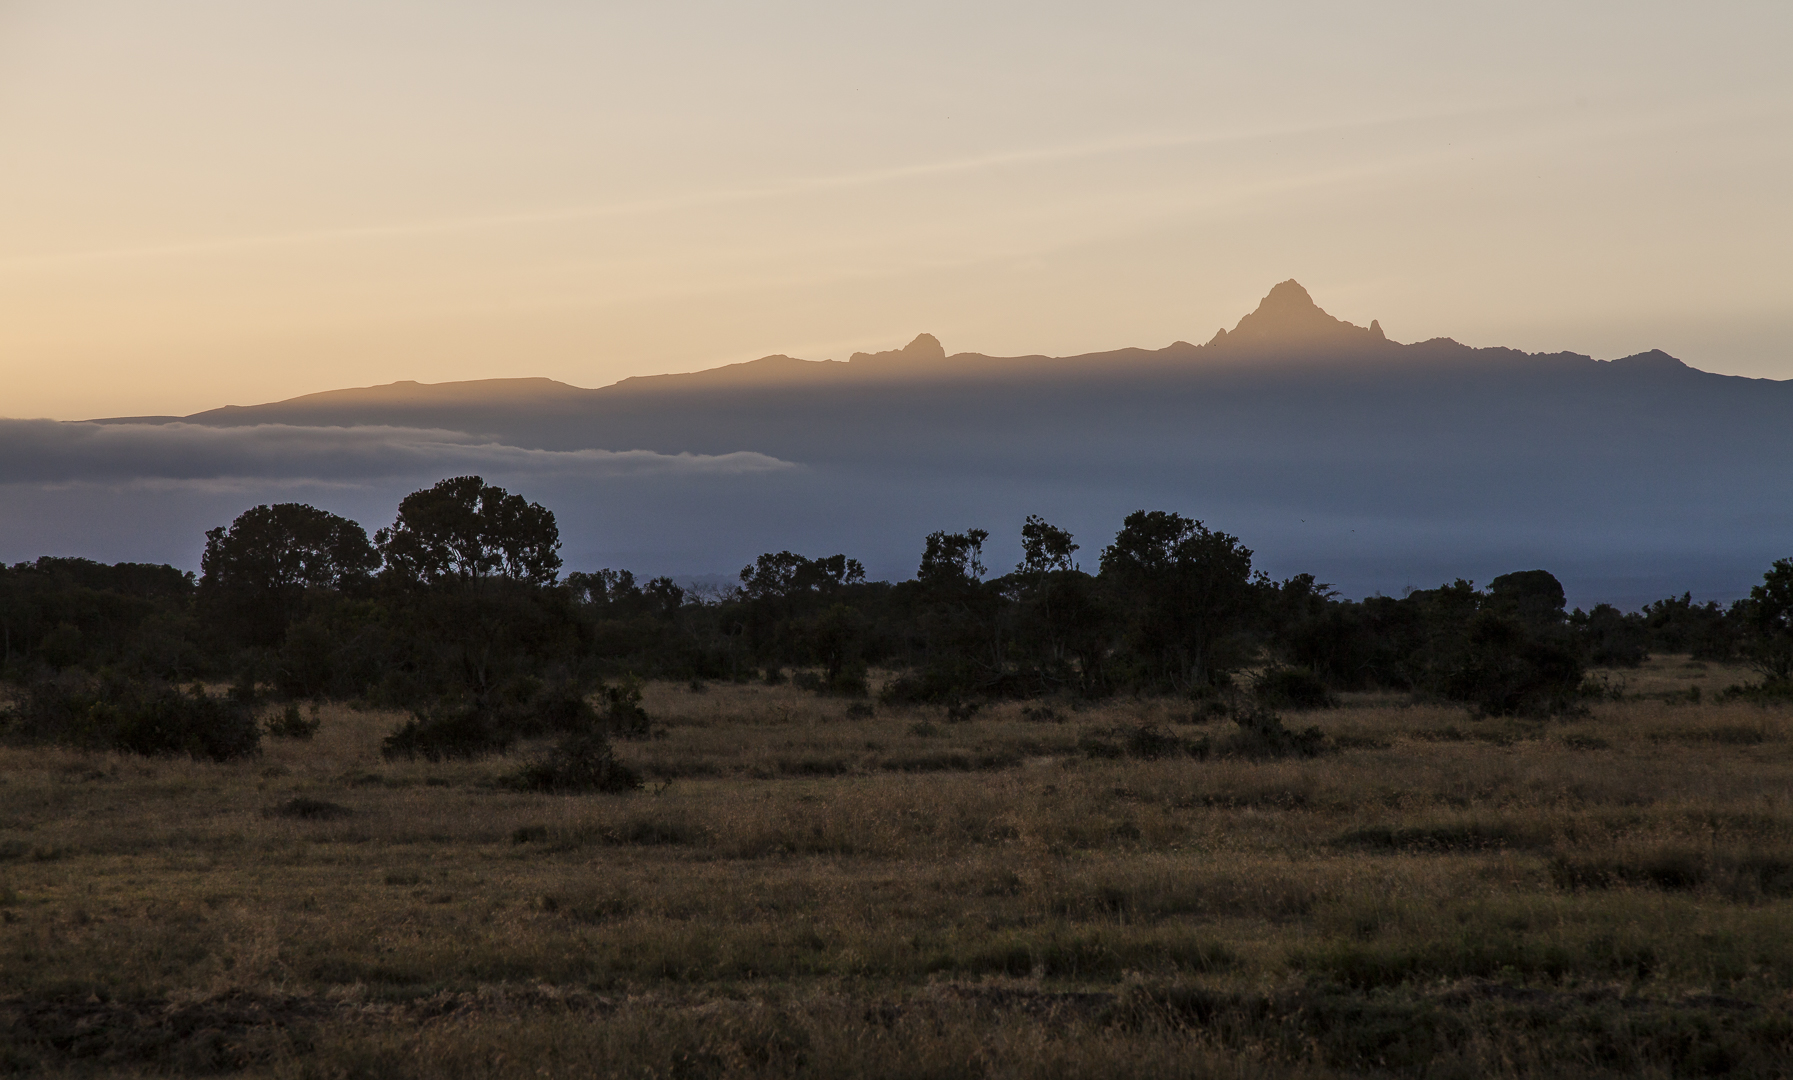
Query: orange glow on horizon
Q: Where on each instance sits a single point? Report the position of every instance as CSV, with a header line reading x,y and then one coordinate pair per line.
x,y
208,206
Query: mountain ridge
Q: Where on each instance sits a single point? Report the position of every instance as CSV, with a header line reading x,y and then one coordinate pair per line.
x,y
1327,446
1286,330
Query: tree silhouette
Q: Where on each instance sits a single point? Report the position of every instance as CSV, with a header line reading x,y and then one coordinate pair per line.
x,y
1769,616
953,560
1061,626
1190,594
787,574
464,529
255,574
1534,597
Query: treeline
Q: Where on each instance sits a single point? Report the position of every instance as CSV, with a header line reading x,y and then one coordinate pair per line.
x,y
459,609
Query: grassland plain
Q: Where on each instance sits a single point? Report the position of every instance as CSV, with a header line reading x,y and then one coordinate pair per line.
x,y
804,892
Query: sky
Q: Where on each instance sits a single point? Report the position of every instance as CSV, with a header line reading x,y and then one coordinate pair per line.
x,y
209,203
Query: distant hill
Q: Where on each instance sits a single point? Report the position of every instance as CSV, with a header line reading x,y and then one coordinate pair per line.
x,y
1320,442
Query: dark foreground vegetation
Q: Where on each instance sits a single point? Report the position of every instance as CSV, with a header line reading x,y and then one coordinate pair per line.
x,y
421,805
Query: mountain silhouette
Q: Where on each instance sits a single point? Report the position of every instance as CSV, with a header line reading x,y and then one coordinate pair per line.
x,y
925,349
1288,318
1320,442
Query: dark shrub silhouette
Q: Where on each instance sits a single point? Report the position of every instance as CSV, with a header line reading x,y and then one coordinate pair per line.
x,y
1261,734
557,707
1150,742
133,717
1507,671
1768,616
458,731
623,714
584,762
1678,625
1292,688
304,809
1147,742
292,724
1610,638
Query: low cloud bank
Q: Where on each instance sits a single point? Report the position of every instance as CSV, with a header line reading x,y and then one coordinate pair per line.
x,y
58,452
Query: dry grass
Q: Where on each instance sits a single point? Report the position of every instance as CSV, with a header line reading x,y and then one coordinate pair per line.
x,y
806,893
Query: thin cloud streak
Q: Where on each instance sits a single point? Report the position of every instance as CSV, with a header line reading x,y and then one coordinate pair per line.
x,y
826,262
798,187
54,452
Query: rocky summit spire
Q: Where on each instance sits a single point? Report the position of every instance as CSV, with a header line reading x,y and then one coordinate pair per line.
x,y
1289,318
925,347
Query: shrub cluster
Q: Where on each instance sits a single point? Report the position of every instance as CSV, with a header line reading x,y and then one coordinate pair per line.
x,y
463,730
132,716
1260,735
579,763
292,724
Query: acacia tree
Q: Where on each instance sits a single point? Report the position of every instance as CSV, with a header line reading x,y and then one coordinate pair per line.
x,y
1045,549
1190,595
953,560
955,619
787,574
256,573
792,611
1060,622
464,529
1769,616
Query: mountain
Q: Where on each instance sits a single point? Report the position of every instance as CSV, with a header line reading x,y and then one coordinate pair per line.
x,y
1325,445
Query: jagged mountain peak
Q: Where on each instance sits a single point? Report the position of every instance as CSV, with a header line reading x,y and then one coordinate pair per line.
x,y
925,347
1288,316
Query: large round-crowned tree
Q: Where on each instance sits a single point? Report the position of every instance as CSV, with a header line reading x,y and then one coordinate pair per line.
x,y
464,529
256,573
1189,594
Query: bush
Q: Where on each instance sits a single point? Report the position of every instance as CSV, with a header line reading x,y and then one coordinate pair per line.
x,y
585,762
1261,734
847,684
942,686
291,724
623,714
1292,688
1212,708
1099,744
960,711
1148,742
466,731
476,729
132,717
304,809
557,708
1509,671
1766,692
